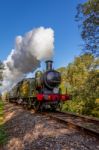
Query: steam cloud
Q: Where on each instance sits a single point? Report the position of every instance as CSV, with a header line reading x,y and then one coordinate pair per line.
x,y
34,46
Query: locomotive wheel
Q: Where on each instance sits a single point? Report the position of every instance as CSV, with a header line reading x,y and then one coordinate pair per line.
x,y
37,106
53,107
24,104
29,106
60,106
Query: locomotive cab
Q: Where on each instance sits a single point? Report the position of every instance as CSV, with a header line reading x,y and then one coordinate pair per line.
x,y
38,80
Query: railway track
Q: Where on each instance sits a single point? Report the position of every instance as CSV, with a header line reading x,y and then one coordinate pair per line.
x,y
29,130
85,124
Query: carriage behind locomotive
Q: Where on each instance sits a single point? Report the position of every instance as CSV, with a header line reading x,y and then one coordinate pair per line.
x,y
39,92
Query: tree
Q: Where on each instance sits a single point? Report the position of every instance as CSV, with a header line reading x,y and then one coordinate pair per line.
x,y
1,78
1,69
91,92
65,85
82,76
77,72
88,18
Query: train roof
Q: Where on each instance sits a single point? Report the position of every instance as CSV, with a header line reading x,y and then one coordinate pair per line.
x,y
25,79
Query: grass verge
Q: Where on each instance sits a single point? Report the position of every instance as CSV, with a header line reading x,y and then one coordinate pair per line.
x,y
3,136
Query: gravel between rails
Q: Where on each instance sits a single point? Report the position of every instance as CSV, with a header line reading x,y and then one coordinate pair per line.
x,y
29,131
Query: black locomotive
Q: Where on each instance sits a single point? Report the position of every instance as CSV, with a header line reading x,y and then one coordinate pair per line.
x,y
40,92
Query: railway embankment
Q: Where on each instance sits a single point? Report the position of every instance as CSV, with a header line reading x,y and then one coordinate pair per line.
x,y
27,130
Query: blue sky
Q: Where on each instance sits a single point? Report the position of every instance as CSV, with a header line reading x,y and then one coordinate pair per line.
x,y
19,16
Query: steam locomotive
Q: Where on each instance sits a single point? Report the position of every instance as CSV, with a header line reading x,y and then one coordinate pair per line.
x,y
40,92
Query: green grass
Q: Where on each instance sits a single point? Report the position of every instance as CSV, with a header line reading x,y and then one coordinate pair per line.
x,y
1,112
3,136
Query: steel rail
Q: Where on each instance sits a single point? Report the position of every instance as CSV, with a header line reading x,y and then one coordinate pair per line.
x,y
83,123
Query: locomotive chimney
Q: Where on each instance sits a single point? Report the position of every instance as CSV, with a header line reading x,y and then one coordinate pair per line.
x,y
49,64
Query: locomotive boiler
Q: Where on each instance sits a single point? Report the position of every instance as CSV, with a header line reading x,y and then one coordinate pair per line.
x,y
40,92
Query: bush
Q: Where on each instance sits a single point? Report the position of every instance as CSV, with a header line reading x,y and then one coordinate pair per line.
x,y
82,107
75,106
95,111
3,136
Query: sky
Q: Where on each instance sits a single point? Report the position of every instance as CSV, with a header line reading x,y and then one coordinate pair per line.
x,y
20,16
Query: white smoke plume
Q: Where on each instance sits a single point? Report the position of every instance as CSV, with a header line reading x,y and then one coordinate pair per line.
x,y
34,46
